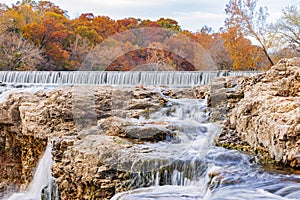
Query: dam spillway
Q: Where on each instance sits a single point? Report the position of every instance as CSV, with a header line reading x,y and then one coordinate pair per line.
x,y
129,78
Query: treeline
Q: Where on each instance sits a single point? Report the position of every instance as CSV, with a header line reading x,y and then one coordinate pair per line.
x,y
41,36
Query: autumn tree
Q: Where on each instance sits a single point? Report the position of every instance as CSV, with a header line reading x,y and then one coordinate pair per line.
x,y
205,36
84,28
251,22
100,57
94,28
170,24
11,21
17,53
190,50
52,35
47,6
287,29
53,41
213,43
3,8
79,49
14,19
285,52
158,59
244,55
149,23
104,26
26,8
127,24
220,54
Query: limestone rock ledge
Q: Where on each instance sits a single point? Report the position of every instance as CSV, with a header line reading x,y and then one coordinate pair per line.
x,y
26,122
94,165
267,119
68,117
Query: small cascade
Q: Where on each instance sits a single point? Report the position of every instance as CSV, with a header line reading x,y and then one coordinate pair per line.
x,y
191,167
41,180
179,161
174,78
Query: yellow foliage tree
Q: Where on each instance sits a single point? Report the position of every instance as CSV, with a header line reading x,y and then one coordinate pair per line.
x,y
245,56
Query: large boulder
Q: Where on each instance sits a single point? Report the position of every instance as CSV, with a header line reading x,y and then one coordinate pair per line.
x,y
267,119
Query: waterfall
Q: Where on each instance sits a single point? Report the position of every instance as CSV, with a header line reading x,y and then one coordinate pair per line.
x,y
178,163
188,166
175,78
41,179
191,167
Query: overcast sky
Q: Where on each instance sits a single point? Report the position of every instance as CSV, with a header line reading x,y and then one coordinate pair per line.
x,y
191,14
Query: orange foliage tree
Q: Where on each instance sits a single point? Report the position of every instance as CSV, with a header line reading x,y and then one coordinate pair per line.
x,y
69,44
214,45
53,36
244,16
244,55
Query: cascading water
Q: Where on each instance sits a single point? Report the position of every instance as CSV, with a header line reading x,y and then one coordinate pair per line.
x,y
192,167
117,78
174,161
41,179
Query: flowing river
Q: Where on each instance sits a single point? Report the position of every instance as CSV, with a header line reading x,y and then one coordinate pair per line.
x,y
189,166
192,167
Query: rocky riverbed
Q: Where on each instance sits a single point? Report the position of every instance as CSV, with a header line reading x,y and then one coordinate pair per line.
x,y
30,121
96,139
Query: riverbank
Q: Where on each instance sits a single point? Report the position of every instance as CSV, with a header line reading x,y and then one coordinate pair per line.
x,y
266,121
